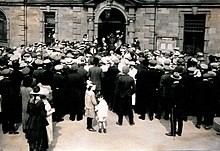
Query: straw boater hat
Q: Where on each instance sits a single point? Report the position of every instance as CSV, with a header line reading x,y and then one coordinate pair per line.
x,y
204,66
176,76
46,61
58,67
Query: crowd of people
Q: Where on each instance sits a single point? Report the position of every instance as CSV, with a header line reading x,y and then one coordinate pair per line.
x,y
41,84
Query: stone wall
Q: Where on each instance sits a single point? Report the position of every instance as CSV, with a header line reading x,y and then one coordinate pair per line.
x,y
214,32
34,25
15,27
71,23
144,27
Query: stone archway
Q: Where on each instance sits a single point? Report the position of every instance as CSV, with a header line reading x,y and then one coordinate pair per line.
x,y
5,30
109,19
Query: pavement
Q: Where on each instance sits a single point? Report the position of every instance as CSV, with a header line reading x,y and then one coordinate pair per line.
x,y
145,135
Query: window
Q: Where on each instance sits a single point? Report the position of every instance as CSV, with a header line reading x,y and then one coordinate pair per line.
x,y
3,27
194,31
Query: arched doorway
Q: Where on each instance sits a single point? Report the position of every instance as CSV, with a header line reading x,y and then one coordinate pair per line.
x,y
111,22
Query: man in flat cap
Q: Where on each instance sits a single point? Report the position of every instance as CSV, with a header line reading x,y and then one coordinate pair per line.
x,y
58,93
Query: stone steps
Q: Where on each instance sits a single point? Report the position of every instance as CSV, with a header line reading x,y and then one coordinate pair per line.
x,y
216,124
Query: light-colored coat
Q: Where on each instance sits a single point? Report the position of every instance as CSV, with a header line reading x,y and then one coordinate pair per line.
x,y
90,103
102,109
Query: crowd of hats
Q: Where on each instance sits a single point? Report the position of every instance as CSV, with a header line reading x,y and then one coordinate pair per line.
x,y
64,54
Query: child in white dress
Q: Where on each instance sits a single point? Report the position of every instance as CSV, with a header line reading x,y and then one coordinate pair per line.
x,y
102,113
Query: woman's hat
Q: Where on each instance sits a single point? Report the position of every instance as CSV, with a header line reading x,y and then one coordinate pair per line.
x,y
89,84
37,90
176,76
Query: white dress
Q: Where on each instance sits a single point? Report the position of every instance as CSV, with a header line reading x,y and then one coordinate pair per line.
x,y
132,72
49,119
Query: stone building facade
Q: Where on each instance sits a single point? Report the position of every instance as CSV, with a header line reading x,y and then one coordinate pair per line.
x,y
159,24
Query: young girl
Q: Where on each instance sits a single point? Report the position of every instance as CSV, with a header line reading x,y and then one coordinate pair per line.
x,y
36,133
102,113
90,103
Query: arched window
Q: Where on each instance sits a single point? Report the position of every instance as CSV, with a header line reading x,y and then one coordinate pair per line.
x,y
3,27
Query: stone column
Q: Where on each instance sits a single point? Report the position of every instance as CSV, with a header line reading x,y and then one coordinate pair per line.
x,y
90,19
131,25
131,31
90,29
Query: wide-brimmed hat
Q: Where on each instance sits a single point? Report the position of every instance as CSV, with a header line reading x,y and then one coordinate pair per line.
x,y
39,91
176,48
176,76
212,73
214,65
156,52
46,61
204,66
191,69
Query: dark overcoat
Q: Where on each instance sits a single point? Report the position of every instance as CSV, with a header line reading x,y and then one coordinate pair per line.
x,y
125,88
36,125
75,88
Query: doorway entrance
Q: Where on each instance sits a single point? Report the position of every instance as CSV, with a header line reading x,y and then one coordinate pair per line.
x,y
111,26
49,27
194,32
